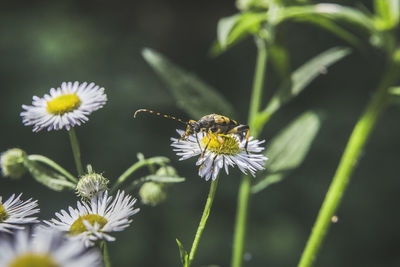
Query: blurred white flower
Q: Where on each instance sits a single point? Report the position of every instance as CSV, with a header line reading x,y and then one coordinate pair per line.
x,y
14,213
217,155
45,248
64,107
94,221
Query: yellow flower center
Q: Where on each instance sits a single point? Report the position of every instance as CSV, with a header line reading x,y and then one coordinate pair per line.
x,y
63,104
79,227
221,143
33,260
3,213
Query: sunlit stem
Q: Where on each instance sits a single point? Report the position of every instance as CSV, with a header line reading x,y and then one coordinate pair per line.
x,y
244,189
76,151
106,256
348,162
203,220
54,165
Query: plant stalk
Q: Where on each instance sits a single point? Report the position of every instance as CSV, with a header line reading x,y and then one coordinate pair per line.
x,y
54,165
76,151
203,220
348,162
245,185
106,256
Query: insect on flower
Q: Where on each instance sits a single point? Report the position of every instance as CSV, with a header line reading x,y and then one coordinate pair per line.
x,y
209,124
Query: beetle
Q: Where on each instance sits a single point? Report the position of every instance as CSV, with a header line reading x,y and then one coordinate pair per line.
x,y
212,123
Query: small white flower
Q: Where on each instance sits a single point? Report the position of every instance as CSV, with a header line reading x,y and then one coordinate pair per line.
x,y
45,248
64,107
218,156
94,221
14,213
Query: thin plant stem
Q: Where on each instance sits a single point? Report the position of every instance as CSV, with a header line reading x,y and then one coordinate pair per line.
x,y
245,185
128,173
54,165
104,249
203,220
348,162
76,151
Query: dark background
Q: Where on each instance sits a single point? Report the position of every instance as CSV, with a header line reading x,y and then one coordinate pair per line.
x,y
46,42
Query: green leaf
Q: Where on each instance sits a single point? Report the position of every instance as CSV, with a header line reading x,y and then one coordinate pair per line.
x,y
336,12
388,13
183,254
231,30
333,27
280,59
289,148
334,17
191,94
47,177
303,76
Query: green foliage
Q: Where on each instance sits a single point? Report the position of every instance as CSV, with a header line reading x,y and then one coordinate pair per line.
x,y
233,29
289,149
183,254
334,12
192,94
47,177
387,14
303,76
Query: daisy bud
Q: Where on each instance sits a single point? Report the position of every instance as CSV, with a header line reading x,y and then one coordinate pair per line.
x,y
152,193
166,171
12,163
91,184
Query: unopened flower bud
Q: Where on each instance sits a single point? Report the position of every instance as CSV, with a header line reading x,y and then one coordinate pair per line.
x,y
152,193
12,163
166,171
91,184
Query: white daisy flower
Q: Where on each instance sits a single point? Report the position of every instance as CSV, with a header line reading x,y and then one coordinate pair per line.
x,y
218,156
14,213
95,220
64,107
47,249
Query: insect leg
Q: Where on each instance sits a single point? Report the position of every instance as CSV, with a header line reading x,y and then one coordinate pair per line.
x,y
247,140
205,148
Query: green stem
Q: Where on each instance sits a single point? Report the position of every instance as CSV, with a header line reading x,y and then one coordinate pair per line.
x,y
104,249
348,162
203,220
241,221
54,165
76,151
244,189
258,82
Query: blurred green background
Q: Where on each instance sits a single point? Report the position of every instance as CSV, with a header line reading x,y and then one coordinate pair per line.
x,y
46,42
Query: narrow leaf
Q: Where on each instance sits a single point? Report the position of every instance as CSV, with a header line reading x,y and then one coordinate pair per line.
x,y
183,254
280,59
232,29
47,177
303,76
191,94
289,148
351,16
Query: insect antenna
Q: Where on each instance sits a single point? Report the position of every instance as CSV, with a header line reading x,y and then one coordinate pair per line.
x,y
159,114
